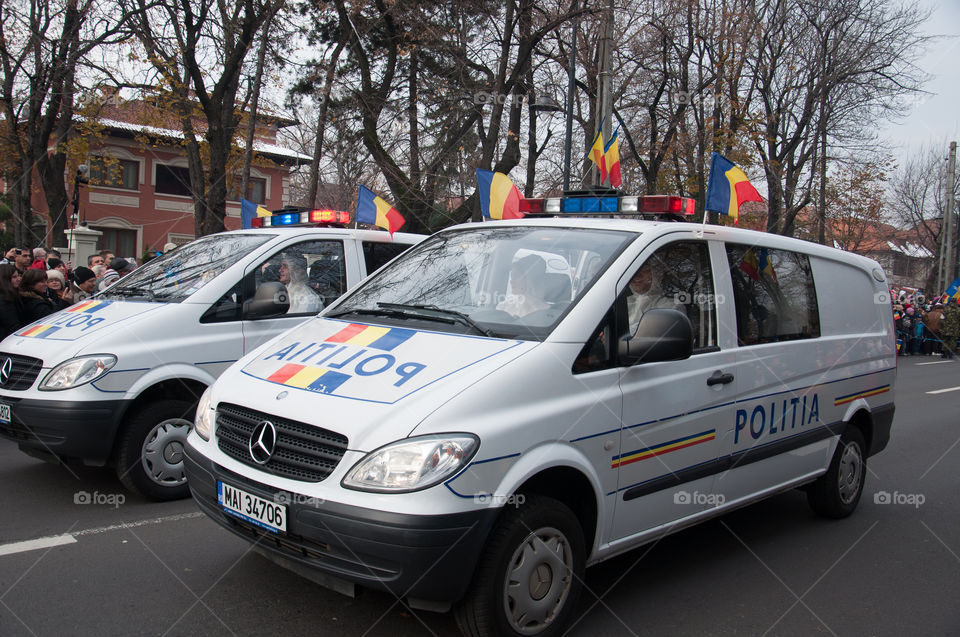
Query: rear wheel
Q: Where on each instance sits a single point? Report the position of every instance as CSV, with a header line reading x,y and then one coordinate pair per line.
x,y
150,454
530,574
837,492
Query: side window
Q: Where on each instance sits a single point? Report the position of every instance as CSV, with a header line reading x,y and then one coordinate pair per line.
x,y
678,276
227,307
313,273
774,295
375,255
597,353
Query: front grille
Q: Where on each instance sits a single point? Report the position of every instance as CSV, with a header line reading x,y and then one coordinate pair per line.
x,y
303,452
21,371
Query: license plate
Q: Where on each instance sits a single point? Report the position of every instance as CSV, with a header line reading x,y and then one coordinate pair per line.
x,y
246,506
6,413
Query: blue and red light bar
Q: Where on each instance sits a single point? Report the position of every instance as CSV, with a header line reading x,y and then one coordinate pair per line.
x,y
610,205
306,217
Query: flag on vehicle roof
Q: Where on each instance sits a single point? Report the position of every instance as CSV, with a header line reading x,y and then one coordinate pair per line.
x,y
728,188
611,157
597,155
249,211
375,211
499,198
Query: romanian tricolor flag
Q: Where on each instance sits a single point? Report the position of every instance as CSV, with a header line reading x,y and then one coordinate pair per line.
x,y
316,379
375,211
597,156
249,211
750,265
374,336
952,295
611,157
88,307
39,331
728,188
499,198
766,267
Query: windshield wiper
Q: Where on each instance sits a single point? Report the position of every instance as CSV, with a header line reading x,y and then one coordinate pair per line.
x,y
424,311
131,291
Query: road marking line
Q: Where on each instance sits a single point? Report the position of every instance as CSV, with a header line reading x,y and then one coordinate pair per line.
x,y
934,363
71,538
33,545
943,391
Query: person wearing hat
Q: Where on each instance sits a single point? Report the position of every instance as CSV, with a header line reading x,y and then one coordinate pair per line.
x,y
58,291
84,283
119,267
167,247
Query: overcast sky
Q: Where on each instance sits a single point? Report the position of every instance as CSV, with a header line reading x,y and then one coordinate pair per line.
x,y
935,118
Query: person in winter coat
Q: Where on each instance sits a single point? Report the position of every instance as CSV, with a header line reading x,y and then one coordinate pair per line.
x,y
33,295
58,291
11,309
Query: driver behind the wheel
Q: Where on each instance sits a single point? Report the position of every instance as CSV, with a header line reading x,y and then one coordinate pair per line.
x,y
527,277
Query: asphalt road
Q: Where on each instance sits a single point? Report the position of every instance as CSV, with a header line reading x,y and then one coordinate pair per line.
x,y
119,565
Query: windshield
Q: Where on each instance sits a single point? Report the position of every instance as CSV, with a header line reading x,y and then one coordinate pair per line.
x,y
176,275
508,282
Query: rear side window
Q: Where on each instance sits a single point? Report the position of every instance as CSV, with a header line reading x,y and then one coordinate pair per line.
x,y
375,255
774,295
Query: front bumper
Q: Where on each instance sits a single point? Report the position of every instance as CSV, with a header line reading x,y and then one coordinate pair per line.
x,y
67,429
423,557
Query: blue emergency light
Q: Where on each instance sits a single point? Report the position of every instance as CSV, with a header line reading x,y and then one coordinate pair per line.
x,y
610,205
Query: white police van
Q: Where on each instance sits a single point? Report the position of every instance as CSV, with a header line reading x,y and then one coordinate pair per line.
x,y
435,435
116,379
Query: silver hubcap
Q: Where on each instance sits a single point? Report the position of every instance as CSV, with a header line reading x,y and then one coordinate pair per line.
x,y
851,470
162,454
538,580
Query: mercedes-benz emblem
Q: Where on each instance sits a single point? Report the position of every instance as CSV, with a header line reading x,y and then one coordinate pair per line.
x,y
5,369
263,441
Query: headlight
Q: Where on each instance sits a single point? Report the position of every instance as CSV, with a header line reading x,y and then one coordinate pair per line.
x,y
413,464
78,371
203,423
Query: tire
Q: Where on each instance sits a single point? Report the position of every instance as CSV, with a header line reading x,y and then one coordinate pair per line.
x,y
150,451
837,492
540,547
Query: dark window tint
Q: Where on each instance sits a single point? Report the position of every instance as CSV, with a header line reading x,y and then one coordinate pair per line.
x,y
173,180
375,255
774,295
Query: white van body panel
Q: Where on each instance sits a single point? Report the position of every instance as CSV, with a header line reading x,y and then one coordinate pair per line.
x,y
659,445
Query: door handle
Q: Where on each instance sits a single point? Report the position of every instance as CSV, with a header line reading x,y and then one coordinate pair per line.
x,y
719,378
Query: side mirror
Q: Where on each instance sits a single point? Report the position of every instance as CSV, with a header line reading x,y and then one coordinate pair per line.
x,y
271,299
662,335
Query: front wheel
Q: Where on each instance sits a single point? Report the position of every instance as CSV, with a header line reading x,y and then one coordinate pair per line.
x,y
836,493
530,574
150,453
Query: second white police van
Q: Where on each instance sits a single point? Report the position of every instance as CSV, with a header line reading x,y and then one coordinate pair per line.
x,y
510,402
115,379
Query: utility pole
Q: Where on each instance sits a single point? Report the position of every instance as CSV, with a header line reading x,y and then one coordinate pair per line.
x,y
571,88
946,265
950,264
604,99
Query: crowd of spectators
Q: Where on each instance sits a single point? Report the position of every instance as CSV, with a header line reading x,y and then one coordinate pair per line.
x,y
38,282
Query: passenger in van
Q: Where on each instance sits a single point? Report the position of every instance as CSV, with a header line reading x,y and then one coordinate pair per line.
x,y
293,274
527,279
646,292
